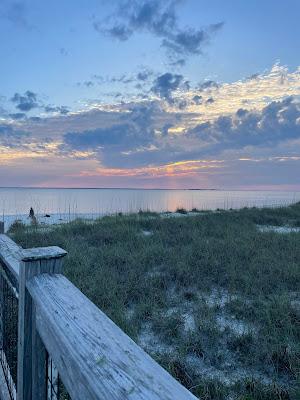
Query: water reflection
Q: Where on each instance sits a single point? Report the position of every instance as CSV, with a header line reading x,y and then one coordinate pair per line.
x,y
108,201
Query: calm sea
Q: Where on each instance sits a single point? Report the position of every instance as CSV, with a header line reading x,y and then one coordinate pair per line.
x,y
17,201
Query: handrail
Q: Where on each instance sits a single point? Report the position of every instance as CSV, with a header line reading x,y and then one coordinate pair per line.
x,y
10,255
94,357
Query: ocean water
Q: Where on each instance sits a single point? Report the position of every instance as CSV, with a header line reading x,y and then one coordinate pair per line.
x,y
16,202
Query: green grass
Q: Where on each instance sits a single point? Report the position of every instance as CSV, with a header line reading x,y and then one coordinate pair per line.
x,y
191,286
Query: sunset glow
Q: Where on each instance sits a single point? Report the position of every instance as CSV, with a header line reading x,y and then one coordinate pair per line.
x,y
218,108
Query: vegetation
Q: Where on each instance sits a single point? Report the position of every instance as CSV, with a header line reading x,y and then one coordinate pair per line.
x,y
213,298
181,210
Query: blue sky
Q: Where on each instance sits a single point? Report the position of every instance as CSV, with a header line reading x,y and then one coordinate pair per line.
x,y
150,93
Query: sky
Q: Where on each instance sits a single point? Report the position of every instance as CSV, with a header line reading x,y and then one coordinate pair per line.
x,y
150,94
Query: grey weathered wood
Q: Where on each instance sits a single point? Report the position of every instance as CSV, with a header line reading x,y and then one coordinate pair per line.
x,y
31,351
94,357
11,255
43,253
4,392
39,360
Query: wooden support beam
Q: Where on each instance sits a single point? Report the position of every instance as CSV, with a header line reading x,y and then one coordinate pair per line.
x,y
31,350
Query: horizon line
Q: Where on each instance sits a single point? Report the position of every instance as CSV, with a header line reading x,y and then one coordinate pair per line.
x,y
133,188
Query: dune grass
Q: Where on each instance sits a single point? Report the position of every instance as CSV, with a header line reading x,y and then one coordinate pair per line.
x,y
209,296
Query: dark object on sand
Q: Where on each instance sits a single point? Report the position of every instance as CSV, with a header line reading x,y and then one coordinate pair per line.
x,y
32,217
47,216
31,213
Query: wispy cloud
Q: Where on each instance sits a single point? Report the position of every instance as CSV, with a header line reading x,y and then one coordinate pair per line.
x,y
30,101
159,18
17,13
176,169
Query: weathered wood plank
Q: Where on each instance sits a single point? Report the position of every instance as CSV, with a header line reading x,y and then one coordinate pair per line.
x,y
43,253
31,351
11,255
4,392
39,360
95,358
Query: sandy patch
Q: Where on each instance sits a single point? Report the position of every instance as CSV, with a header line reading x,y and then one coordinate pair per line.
x,y
218,297
238,327
278,229
147,233
151,343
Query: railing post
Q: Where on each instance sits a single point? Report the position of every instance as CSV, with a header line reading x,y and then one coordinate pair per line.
x,y
1,227
31,350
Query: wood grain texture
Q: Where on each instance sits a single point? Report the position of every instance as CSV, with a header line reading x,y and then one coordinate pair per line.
x,y
31,350
43,253
95,358
10,254
4,392
24,337
39,360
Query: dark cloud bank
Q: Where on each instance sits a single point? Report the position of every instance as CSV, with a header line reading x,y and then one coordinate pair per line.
x,y
279,121
141,137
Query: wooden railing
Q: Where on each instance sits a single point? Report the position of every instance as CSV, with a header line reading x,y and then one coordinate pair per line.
x,y
67,347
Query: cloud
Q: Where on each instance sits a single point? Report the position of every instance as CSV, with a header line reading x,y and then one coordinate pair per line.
x,y
88,83
16,12
11,137
146,138
136,132
197,99
25,102
160,19
63,51
208,85
190,41
114,136
120,32
17,116
178,63
29,101
57,109
165,84
176,169
253,76
277,122
144,75
182,127
210,100
134,128
144,135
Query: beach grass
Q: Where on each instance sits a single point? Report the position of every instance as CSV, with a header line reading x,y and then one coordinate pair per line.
x,y
211,296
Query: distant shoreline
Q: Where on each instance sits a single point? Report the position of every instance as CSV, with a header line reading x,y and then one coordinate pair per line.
x,y
44,220
100,188
148,189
